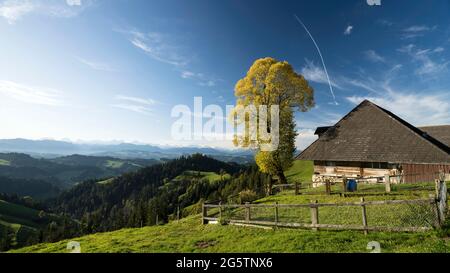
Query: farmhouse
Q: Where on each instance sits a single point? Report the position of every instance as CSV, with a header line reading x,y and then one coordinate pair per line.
x,y
371,142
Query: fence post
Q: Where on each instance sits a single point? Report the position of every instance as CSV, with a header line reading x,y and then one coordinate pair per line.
x,y
276,213
387,183
204,214
442,176
247,212
364,216
314,215
442,198
328,187
435,204
178,213
443,195
220,210
437,185
344,183
297,188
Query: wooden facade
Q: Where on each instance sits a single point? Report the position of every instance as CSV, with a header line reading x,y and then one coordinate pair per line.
x,y
373,172
423,172
353,169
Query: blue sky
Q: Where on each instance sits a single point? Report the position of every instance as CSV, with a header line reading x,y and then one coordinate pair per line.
x,y
112,70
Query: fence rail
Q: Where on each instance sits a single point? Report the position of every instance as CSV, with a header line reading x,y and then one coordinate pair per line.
x,y
389,181
389,215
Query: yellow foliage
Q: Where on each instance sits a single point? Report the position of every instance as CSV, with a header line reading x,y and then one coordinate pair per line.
x,y
270,82
265,162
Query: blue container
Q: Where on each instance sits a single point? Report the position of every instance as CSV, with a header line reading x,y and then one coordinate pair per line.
x,y
352,185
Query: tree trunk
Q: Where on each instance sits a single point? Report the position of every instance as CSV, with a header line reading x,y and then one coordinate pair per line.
x,y
269,187
282,177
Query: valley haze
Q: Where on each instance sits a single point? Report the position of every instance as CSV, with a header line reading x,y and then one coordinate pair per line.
x,y
55,148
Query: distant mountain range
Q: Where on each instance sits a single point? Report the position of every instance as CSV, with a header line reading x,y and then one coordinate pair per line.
x,y
54,148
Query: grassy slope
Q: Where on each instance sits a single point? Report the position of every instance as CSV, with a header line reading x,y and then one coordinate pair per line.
x,y
106,182
22,222
114,164
18,214
4,162
302,171
188,235
211,176
19,220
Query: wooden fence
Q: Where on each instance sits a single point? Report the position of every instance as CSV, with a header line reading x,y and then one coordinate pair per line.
x,y
297,186
388,181
434,209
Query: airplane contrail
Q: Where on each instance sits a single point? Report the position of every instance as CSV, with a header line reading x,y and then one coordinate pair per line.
x,y
321,57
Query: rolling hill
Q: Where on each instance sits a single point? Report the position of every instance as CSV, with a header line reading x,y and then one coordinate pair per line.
x,y
35,188
26,175
21,225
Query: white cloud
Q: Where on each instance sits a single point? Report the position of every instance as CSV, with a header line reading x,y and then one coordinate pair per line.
x,y
158,46
13,10
136,100
374,56
134,108
417,109
31,94
362,84
135,104
73,2
304,139
407,49
167,49
314,73
201,78
348,30
187,74
427,66
416,31
97,65
384,22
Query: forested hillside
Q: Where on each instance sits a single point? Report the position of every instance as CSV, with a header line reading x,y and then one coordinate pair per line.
x,y
152,194
36,188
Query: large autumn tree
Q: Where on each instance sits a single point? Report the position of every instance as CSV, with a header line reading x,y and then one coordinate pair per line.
x,y
273,83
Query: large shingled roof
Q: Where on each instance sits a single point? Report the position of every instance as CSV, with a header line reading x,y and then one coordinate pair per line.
x,y
441,133
370,133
